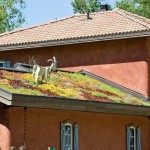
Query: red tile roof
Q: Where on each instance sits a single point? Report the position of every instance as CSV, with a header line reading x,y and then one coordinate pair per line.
x,y
108,23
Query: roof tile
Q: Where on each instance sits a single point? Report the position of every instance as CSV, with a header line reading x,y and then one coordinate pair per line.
x,y
78,26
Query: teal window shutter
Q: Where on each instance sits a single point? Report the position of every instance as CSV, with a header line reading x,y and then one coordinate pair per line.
x,y
138,138
76,147
128,138
62,136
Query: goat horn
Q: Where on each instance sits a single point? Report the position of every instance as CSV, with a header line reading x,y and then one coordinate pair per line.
x,y
49,60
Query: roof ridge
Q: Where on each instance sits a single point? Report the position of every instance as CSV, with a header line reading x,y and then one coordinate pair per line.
x,y
35,26
134,17
53,21
96,13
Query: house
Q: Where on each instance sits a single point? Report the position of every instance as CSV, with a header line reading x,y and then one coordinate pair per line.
x,y
111,42
73,111
112,47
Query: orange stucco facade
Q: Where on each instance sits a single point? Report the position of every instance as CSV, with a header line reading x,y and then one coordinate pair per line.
x,y
40,128
125,61
5,135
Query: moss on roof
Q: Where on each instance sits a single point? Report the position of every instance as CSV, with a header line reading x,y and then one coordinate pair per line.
x,y
67,85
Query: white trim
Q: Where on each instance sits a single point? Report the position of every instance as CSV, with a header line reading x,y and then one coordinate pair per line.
x,y
5,101
132,127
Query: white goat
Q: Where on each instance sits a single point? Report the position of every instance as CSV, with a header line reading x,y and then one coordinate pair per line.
x,y
44,71
53,66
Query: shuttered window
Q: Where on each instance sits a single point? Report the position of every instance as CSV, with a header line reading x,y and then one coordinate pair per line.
x,y
133,138
69,136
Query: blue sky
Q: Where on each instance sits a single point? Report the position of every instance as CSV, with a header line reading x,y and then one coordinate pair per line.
x,y
41,11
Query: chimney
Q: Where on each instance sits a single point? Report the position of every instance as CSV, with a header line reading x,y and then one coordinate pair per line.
x,y
104,7
88,14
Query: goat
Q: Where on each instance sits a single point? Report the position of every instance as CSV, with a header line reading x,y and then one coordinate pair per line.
x,y
44,71
53,66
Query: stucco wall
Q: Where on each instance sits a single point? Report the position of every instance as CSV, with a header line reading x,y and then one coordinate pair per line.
x,y
96,130
148,60
5,135
121,61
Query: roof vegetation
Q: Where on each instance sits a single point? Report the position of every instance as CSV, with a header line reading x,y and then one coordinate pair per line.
x,y
67,85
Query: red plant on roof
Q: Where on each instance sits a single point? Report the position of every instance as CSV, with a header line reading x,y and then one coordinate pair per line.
x,y
1,75
16,83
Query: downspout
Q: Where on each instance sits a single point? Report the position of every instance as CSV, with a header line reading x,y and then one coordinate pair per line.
x,y
24,128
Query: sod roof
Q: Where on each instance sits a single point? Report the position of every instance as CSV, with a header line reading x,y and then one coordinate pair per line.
x,y
66,85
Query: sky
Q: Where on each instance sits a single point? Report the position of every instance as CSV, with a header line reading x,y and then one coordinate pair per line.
x,y
41,11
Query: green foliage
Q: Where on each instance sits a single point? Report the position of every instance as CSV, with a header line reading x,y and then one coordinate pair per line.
x,y
68,85
80,78
111,89
11,15
99,94
82,6
119,100
21,90
139,7
68,93
54,79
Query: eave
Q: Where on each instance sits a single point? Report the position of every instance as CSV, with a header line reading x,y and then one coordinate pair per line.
x,y
77,40
44,102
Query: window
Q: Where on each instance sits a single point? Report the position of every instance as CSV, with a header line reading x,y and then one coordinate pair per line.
x,y
2,64
69,136
5,64
133,138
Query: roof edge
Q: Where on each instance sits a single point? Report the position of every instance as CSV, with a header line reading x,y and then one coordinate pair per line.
x,y
35,26
134,17
76,40
78,105
67,104
115,85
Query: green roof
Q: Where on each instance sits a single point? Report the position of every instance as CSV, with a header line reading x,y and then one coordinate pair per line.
x,y
66,85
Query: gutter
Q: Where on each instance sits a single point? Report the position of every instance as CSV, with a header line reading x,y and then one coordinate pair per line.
x,y
5,97
78,40
55,103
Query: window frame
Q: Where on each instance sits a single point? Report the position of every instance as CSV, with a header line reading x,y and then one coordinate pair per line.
x,y
2,62
134,136
69,124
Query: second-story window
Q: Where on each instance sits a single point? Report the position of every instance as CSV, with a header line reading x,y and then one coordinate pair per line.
x,y
133,137
68,136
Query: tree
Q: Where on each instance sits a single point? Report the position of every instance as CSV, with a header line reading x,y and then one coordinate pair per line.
x,y
11,15
82,6
139,7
